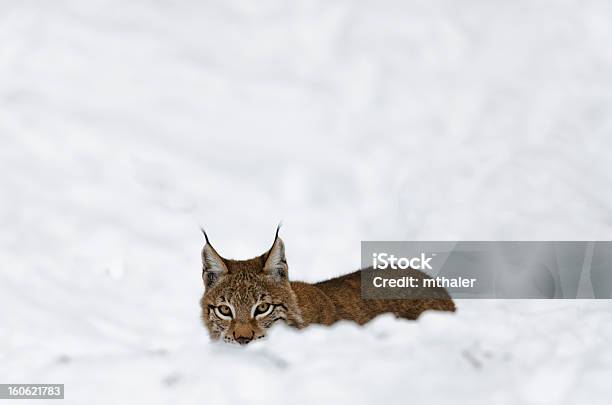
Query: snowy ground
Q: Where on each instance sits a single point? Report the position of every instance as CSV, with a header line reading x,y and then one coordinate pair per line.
x,y
126,125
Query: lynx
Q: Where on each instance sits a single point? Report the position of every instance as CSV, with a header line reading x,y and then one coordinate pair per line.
x,y
243,298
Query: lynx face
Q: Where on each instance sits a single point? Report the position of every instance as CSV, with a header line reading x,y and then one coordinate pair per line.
x,y
243,298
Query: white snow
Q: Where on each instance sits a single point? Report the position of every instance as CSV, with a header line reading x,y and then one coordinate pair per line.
x,y
126,125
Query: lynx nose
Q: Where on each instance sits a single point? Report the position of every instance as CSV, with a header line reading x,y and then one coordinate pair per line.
x,y
243,333
243,340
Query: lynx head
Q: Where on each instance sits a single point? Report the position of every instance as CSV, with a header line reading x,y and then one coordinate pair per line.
x,y
243,298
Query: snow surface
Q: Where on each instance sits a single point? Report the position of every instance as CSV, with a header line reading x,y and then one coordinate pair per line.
x,y
124,125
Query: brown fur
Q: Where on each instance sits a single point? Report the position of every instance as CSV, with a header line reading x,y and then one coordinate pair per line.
x,y
242,285
340,298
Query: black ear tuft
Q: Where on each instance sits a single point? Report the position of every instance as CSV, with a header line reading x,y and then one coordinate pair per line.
x,y
278,229
206,236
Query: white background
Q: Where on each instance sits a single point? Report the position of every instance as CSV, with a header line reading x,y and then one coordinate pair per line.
x,y
125,125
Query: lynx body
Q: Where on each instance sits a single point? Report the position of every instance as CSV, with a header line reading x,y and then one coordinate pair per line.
x,y
243,298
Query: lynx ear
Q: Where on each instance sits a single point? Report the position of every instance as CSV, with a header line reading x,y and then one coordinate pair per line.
x,y
276,263
213,266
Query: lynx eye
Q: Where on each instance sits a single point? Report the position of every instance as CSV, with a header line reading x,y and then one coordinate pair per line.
x,y
262,309
224,312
